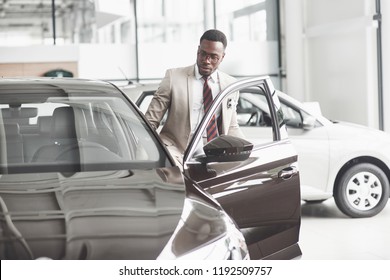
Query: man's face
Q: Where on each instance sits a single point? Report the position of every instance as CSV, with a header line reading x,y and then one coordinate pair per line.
x,y
210,55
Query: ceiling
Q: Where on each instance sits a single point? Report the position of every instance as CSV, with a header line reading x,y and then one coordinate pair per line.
x,y
36,16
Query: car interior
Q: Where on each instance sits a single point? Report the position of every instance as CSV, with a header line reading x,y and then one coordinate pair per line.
x,y
79,134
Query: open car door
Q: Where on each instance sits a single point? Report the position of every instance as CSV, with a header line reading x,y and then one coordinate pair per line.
x,y
256,183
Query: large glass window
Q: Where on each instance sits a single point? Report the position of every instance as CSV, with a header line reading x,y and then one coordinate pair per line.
x,y
169,20
168,35
144,37
245,20
252,28
31,22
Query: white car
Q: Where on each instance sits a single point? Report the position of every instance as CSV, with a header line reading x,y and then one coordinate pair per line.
x,y
347,161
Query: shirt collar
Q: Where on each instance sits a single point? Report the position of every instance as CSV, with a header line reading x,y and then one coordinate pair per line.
x,y
213,76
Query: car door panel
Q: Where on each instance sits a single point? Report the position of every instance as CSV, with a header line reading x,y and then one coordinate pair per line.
x,y
314,151
262,192
257,182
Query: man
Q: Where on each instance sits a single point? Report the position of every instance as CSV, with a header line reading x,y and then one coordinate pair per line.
x,y
181,93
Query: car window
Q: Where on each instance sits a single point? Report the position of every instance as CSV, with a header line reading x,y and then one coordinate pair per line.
x,y
144,100
292,117
143,106
75,132
247,116
253,111
295,117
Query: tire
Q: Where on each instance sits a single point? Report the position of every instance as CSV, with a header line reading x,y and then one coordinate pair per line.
x,y
362,191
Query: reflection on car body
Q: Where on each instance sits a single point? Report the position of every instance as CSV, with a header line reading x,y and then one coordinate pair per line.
x,y
83,176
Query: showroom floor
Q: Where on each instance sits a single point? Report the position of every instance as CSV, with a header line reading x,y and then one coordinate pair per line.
x,y
327,234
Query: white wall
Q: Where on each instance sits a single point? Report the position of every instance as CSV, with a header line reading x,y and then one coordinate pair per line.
x,y
156,58
386,61
256,58
114,61
339,57
38,53
294,51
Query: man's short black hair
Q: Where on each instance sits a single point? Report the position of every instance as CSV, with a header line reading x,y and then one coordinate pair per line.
x,y
214,35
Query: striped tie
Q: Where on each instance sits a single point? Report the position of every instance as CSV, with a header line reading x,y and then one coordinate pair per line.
x,y
212,130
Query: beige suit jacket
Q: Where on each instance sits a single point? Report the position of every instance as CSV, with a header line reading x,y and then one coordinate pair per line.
x,y
175,95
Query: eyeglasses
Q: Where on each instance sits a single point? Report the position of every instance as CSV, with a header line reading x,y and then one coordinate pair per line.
x,y
204,55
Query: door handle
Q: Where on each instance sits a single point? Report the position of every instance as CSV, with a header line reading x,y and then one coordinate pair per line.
x,y
288,172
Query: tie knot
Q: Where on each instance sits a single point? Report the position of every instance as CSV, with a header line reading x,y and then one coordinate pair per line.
x,y
205,78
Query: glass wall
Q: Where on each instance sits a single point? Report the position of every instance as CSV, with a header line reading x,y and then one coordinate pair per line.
x,y
170,21
252,27
168,35
158,34
244,20
32,22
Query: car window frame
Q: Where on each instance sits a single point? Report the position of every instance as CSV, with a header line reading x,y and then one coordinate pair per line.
x,y
262,81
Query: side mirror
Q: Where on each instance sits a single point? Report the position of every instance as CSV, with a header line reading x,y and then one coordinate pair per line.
x,y
226,148
309,122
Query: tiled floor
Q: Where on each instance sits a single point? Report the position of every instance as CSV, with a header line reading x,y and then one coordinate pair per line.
x,y
327,234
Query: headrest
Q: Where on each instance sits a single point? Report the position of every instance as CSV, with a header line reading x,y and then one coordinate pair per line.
x,y
44,124
63,123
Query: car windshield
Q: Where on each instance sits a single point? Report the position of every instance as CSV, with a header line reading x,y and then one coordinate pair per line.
x,y
51,131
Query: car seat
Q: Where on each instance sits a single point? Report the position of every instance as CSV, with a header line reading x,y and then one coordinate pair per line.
x,y
63,138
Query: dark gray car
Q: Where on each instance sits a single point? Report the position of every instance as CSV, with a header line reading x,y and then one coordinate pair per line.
x,y
83,176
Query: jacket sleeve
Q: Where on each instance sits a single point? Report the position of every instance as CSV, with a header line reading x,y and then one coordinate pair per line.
x,y
160,103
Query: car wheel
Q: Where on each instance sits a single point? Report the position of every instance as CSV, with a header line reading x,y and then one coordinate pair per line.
x,y
362,191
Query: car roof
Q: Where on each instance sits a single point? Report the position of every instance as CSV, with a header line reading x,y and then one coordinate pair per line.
x,y
59,83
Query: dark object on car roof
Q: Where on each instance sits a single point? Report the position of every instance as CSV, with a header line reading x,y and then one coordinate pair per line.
x,y
58,73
